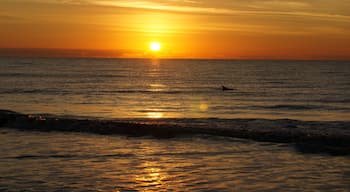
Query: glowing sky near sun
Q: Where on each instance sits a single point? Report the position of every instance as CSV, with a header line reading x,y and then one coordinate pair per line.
x,y
265,29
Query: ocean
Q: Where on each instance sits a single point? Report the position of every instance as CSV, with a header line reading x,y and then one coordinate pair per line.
x,y
127,88
168,125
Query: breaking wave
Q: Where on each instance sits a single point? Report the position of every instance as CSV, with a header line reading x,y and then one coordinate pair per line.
x,y
332,135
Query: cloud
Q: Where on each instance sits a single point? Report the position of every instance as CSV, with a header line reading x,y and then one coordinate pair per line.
x,y
4,17
275,8
234,7
162,6
69,53
275,4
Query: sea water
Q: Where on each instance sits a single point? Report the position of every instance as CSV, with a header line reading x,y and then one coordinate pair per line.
x,y
286,99
40,161
136,88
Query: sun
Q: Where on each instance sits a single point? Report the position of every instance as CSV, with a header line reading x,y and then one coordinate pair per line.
x,y
155,46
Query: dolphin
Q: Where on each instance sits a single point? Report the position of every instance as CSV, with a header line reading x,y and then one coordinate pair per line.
x,y
226,88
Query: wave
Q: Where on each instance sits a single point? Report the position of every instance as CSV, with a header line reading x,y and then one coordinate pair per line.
x,y
62,76
301,107
332,100
75,92
118,155
69,156
332,135
146,91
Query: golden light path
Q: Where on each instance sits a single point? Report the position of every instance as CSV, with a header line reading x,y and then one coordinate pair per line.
x,y
155,115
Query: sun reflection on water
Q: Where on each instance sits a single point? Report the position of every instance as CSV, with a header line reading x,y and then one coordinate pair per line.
x,y
156,87
203,107
155,115
151,177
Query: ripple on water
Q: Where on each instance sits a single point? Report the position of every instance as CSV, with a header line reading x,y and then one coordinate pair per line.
x,y
34,161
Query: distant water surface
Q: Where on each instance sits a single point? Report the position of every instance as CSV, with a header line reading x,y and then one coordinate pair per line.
x,y
136,88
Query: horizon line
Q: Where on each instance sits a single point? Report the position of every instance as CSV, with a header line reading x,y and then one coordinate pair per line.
x,y
79,53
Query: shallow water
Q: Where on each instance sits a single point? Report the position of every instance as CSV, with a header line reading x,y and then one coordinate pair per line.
x,y
37,161
127,88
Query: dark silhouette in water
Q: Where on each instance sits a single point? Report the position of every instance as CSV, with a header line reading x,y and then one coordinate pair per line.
x,y
226,88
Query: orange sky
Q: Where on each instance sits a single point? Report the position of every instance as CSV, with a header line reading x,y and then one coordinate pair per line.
x,y
250,29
